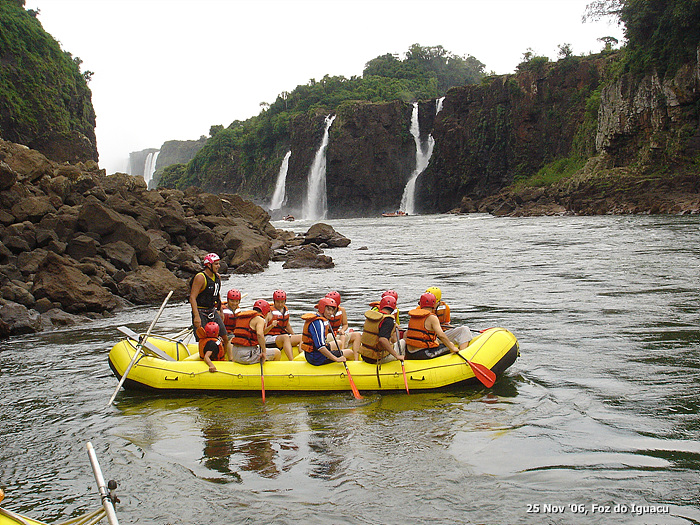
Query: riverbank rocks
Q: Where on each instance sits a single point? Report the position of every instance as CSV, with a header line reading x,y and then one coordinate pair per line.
x,y
76,243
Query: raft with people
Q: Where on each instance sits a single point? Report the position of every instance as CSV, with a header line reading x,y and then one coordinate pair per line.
x,y
167,364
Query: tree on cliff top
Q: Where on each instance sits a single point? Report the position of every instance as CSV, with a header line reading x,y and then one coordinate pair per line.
x,y
661,35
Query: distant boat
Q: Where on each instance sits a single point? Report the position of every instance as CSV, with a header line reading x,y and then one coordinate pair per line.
x,y
288,218
397,213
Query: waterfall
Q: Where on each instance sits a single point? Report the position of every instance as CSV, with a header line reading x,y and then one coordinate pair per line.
x,y
278,195
422,158
438,105
316,205
149,167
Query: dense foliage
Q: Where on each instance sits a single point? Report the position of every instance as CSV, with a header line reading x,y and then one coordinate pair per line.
x,y
661,35
258,144
41,87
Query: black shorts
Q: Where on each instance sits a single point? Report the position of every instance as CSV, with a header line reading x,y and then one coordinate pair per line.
x,y
427,353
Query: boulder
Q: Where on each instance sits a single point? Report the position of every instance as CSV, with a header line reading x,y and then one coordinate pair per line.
x,y
150,285
32,208
18,319
60,281
121,255
307,256
8,176
321,233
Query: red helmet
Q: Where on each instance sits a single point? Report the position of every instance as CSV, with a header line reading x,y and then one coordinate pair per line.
x,y
387,301
427,300
279,295
211,258
211,329
335,296
326,301
262,305
392,293
233,295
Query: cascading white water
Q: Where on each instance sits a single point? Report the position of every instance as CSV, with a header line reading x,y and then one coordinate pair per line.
x,y
278,195
438,105
149,167
316,205
423,153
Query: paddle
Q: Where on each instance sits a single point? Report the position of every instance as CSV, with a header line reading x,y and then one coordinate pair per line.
x,y
139,348
403,367
482,373
355,391
107,501
262,380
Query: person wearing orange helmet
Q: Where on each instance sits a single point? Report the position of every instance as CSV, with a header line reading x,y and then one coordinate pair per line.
x,y
248,341
377,340
313,337
424,331
205,297
279,331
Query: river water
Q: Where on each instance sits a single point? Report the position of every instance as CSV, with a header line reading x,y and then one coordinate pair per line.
x,y
597,422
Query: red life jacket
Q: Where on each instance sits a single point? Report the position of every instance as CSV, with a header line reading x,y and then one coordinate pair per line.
x,y
282,319
203,340
337,320
307,343
416,334
243,334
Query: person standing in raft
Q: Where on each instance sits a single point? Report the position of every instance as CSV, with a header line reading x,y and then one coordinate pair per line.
x,y
278,331
313,337
376,342
211,346
461,335
205,297
248,341
424,331
231,310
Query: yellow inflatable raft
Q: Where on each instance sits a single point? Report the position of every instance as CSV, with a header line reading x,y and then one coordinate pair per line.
x,y
168,365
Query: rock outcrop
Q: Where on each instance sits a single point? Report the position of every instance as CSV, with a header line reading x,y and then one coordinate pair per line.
x,y
75,242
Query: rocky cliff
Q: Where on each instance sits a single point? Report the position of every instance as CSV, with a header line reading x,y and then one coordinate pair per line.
x,y
45,102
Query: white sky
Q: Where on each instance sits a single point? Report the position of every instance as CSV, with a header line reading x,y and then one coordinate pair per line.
x,y
170,69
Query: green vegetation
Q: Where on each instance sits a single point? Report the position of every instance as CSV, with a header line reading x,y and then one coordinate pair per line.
x,y
552,173
42,89
257,145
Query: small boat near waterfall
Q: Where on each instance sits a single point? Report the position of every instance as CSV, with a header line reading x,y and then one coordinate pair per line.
x,y
170,365
397,213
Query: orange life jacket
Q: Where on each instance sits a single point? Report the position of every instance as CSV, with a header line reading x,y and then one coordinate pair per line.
x,y
243,334
443,313
307,343
282,319
369,341
203,340
230,319
416,334
337,320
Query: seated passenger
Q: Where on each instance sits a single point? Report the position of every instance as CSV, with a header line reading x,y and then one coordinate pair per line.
x,y
313,338
278,331
248,342
458,334
211,346
339,325
231,310
378,335
424,331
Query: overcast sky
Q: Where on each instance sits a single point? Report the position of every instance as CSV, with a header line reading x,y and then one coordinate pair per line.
x,y
170,69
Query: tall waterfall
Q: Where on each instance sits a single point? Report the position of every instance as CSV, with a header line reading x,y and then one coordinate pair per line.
x,y
149,167
438,105
278,195
316,205
423,153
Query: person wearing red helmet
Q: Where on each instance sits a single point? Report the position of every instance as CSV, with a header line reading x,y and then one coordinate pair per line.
x,y
377,340
211,347
313,338
279,331
205,297
248,341
339,324
424,331
232,309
